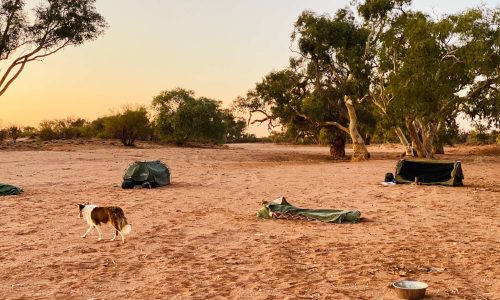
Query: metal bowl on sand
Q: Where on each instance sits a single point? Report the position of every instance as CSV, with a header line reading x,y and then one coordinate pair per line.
x,y
410,290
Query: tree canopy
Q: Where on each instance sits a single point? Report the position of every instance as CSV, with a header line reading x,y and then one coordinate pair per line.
x,y
181,117
128,125
427,71
52,26
324,84
418,72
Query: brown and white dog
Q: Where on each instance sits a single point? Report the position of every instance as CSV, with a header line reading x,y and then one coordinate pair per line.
x,y
95,215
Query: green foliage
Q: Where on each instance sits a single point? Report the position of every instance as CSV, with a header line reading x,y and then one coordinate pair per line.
x,y
14,132
480,135
380,9
430,70
68,128
46,130
309,95
3,134
326,136
183,118
280,137
29,132
235,127
481,138
96,128
54,25
449,134
129,125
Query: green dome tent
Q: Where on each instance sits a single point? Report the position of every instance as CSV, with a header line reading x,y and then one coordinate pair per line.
x,y
146,173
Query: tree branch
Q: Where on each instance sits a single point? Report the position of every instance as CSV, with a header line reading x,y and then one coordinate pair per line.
x,y
483,85
2,91
22,61
321,124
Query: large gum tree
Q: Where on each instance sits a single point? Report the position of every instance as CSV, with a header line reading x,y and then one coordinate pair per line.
x,y
426,71
51,26
325,84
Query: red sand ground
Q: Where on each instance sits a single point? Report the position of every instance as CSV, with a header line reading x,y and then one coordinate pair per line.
x,y
200,239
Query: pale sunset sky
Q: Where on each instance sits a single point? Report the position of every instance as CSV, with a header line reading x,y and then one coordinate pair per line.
x,y
218,48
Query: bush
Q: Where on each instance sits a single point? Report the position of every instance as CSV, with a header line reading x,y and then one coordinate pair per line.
x,y
182,118
30,132
46,131
280,137
3,134
476,137
69,128
14,132
128,126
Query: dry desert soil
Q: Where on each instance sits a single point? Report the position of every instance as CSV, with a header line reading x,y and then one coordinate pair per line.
x,y
199,238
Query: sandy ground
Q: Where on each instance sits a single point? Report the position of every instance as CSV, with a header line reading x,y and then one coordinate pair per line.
x,y
199,238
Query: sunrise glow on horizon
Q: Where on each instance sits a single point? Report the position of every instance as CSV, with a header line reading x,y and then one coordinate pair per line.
x,y
218,48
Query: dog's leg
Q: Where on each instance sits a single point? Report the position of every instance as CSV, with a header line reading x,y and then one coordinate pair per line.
x,y
123,238
88,231
114,237
98,231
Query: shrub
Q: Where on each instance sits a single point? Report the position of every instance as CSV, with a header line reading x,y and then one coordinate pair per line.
x,y
182,118
129,125
3,134
14,132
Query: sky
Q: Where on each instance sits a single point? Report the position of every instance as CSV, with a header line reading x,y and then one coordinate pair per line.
x,y
218,48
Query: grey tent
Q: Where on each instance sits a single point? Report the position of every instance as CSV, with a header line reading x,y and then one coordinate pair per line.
x,y
146,173
443,172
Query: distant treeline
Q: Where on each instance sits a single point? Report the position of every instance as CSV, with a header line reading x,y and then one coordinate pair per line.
x,y
176,116
133,124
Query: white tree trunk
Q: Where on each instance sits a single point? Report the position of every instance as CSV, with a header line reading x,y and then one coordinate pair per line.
x,y
404,141
360,152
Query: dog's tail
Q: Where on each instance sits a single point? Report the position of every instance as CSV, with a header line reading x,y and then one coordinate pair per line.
x,y
119,220
126,230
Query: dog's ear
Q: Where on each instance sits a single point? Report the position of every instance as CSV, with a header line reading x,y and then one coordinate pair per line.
x,y
81,206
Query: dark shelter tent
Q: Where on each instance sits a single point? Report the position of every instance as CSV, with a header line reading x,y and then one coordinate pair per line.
x,y
7,189
443,172
146,173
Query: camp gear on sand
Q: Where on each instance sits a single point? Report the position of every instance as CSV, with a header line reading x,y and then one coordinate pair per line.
x,y
389,177
7,189
409,289
443,172
281,209
148,174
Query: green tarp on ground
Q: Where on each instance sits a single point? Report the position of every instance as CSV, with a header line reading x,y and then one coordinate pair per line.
x,y
281,209
443,172
7,189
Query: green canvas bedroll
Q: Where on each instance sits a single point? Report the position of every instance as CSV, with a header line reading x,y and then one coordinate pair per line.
x,y
443,172
7,189
146,173
281,209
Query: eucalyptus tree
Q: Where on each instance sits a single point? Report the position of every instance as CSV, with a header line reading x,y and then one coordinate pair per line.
x,y
181,117
51,26
324,84
426,71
